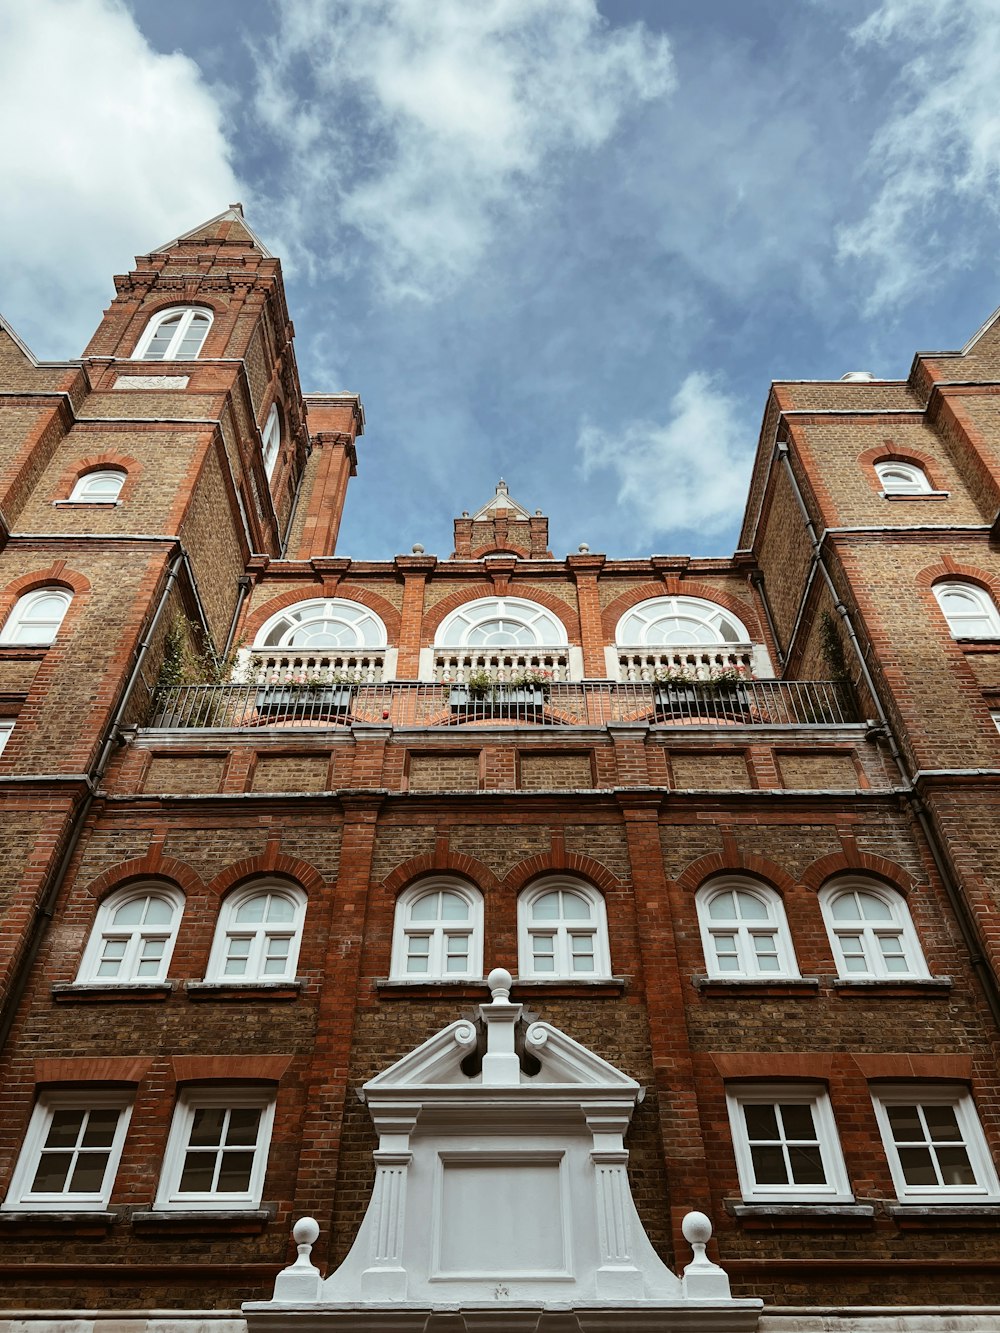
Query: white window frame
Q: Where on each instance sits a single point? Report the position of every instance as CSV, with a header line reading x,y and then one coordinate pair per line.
x,y
912,479
544,626
271,440
561,930
134,936
6,727
836,1189
190,1100
363,629
83,484
746,953
20,1196
227,928
986,607
871,932
22,608
405,929
188,313
987,1187
714,621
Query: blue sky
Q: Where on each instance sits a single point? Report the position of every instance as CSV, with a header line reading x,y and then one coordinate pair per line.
x,y
569,242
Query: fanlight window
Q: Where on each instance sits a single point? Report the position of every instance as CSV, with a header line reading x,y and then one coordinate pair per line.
x,y
501,622
744,931
438,932
969,610
177,334
903,479
37,616
258,935
871,931
330,622
102,488
133,936
563,931
680,620
271,438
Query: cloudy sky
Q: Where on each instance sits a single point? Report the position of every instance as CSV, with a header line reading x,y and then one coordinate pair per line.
x,y
569,242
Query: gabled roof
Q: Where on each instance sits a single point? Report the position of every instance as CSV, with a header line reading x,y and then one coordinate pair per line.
x,y
501,500
227,226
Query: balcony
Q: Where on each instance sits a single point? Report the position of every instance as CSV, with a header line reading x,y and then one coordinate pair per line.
x,y
339,703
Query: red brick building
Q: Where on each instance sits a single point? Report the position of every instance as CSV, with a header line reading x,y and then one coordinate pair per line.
x,y
271,813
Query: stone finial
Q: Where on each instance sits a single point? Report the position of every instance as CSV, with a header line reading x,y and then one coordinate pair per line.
x,y
703,1280
301,1280
417,549
500,982
584,548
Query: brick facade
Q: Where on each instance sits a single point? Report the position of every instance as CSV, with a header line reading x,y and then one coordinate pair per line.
x,y
401,771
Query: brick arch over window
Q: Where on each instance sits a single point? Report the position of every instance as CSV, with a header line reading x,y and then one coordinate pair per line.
x,y
456,864
757,867
644,592
215,340
309,592
56,576
109,460
271,864
149,869
472,592
952,569
857,863
887,452
522,875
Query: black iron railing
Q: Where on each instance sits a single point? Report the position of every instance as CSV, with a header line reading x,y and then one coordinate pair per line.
x,y
758,703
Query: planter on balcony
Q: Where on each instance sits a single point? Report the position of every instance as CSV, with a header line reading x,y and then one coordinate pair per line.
x,y
683,699
499,700
304,701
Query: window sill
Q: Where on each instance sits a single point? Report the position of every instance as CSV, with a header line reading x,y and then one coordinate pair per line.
x,y
473,988
86,504
100,992
204,1221
892,986
270,991
985,645
801,1216
83,1222
920,1216
797,987
915,495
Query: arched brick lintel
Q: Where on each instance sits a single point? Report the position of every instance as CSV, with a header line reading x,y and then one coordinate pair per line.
x,y
745,612
568,863
270,864
148,868
472,592
433,864
310,592
716,864
857,862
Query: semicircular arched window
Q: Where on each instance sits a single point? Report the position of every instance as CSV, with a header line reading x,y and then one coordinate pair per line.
x,y
679,620
562,931
271,440
744,930
325,622
969,610
258,934
871,931
501,622
133,936
902,478
36,617
101,487
175,334
438,932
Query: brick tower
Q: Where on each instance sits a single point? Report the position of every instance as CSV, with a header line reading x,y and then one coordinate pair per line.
x,y
716,829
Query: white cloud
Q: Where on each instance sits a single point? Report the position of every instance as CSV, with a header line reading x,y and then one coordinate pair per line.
x,y
688,473
108,147
938,152
427,128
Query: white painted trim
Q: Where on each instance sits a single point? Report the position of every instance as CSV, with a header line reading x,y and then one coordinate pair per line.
x,y
227,928
902,925
837,1188
19,1195
168,1195
776,924
104,928
987,1187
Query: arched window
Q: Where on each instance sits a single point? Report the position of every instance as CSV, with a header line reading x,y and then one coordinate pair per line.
x,y
258,935
562,931
133,936
501,622
36,618
903,479
744,931
969,610
98,488
680,620
271,440
177,334
328,622
870,930
438,932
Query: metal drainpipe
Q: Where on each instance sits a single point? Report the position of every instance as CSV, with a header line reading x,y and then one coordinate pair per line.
x,y
949,877
46,908
245,583
757,579
295,506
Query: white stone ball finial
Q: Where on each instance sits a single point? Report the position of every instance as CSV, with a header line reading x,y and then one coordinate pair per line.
x,y
584,548
417,549
697,1231
305,1233
500,982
